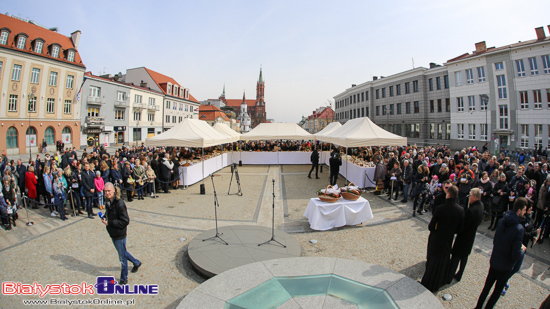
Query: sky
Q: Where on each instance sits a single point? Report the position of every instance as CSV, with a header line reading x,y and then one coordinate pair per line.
x,y
309,51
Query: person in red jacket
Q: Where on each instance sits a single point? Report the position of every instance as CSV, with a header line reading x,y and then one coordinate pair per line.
x,y
30,185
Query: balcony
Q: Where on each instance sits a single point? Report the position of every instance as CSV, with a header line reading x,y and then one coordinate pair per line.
x,y
95,122
122,104
139,106
95,101
153,108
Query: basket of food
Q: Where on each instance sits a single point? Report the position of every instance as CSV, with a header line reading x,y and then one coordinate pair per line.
x,y
351,192
329,195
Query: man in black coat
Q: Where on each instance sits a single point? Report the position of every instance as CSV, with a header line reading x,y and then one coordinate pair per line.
x,y
407,179
166,172
465,240
335,161
507,250
88,183
314,163
21,171
116,220
446,222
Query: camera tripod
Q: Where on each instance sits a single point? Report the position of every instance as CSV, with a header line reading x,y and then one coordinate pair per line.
x,y
216,205
235,171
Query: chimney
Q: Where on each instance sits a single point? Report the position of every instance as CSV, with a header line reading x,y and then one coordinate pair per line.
x,y
75,37
143,84
374,77
481,47
353,85
540,33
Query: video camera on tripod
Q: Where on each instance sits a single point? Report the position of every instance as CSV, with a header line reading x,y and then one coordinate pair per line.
x,y
235,171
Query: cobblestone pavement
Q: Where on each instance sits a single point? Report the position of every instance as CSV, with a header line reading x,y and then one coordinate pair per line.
x,y
79,249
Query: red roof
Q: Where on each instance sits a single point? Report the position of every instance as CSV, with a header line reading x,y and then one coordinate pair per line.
x,y
89,74
17,26
211,112
237,102
162,80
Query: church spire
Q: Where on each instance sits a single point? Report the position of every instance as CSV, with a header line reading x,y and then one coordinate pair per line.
x,y
261,80
223,94
244,96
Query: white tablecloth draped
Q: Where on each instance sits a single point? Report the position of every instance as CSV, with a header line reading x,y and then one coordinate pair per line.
x,y
359,175
193,174
325,216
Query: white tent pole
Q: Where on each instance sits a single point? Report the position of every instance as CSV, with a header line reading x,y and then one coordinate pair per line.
x,y
202,165
347,181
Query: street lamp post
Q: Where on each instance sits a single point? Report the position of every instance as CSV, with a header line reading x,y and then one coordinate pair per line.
x,y
30,98
485,99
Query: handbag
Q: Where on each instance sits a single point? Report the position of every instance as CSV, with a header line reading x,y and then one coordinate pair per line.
x,y
495,199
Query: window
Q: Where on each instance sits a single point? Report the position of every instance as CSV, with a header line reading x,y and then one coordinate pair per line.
x,y
499,66
167,119
398,108
362,96
483,103
439,106
472,131
53,79
432,131
137,134
446,81
137,116
538,135
180,118
31,136
416,107
377,94
11,135
175,106
95,91
50,105
384,110
70,81
501,82
432,106
151,117
448,131
383,92
391,91
430,84
50,136
119,114
546,63
16,73
70,56
407,88
548,97
483,132
391,109
458,78
481,74
415,86
503,116
366,96
12,103
174,119
121,96
67,107
167,104
55,51
152,101
447,105
537,99
533,66
4,37
524,143
169,89
31,107
93,112
407,107
523,100
438,83
1,63
469,76
520,68
21,42
137,99
471,103
460,104
38,47
398,89
35,76
440,131
66,134
460,128
377,111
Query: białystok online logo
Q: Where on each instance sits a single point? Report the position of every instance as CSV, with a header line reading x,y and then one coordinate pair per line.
x,y
104,286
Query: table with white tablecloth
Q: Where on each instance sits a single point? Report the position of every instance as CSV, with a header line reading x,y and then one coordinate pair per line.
x,y
265,157
361,176
193,173
325,216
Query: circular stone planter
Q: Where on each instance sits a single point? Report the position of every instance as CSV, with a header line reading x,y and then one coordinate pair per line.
x,y
310,282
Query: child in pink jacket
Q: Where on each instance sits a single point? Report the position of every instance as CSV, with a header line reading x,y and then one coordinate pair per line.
x,y
99,186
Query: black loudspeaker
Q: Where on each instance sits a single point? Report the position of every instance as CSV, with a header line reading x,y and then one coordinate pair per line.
x,y
203,189
240,163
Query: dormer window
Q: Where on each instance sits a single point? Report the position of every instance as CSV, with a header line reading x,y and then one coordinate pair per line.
x,y
4,36
175,90
38,45
169,88
55,51
21,40
70,55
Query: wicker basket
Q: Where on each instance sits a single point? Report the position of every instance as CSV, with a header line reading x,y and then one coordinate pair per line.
x,y
350,196
326,198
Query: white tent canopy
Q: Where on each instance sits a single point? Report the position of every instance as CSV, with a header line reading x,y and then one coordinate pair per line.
x,y
331,127
362,132
189,133
272,131
226,130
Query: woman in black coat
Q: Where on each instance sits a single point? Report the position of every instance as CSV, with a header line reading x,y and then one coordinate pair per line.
x,y
486,186
422,178
126,174
499,201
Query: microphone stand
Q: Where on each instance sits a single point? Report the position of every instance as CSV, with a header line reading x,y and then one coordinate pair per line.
x,y
29,222
216,205
273,222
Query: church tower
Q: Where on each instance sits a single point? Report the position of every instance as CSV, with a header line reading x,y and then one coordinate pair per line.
x,y
259,115
244,118
260,86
